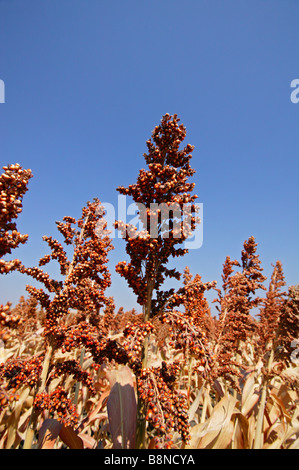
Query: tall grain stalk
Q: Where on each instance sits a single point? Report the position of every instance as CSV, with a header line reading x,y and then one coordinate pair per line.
x,y
270,317
205,403
49,352
40,388
258,439
141,406
164,184
86,244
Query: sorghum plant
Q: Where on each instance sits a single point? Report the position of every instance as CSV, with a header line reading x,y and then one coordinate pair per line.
x,y
278,327
13,186
270,313
236,324
195,303
288,327
201,382
86,276
164,185
30,314
85,279
161,192
8,321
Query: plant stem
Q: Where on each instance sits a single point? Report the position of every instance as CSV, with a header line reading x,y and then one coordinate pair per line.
x,y
189,380
258,440
78,383
34,414
238,360
141,409
205,404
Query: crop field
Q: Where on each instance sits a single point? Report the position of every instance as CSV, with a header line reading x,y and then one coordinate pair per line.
x,y
77,373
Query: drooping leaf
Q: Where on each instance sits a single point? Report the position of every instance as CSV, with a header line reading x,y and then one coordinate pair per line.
x,y
88,441
51,429
122,408
48,433
216,432
13,421
194,406
241,432
71,438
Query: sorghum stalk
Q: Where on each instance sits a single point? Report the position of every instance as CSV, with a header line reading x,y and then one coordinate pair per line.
x,y
141,408
40,388
82,354
258,440
34,415
205,404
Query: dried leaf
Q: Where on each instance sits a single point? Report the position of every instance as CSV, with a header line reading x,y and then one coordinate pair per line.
x,y
250,404
194,407
122,408
241,436
249,395
290,432
274,445
281,406
95,413
217,431
218,387
70,438
48,434
248,388
88,441
218,439
13,421
294,445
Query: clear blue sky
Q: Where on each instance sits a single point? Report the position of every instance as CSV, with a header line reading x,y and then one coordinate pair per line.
x,y
87,81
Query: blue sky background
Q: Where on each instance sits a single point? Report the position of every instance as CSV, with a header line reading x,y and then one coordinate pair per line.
x,y
87,81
